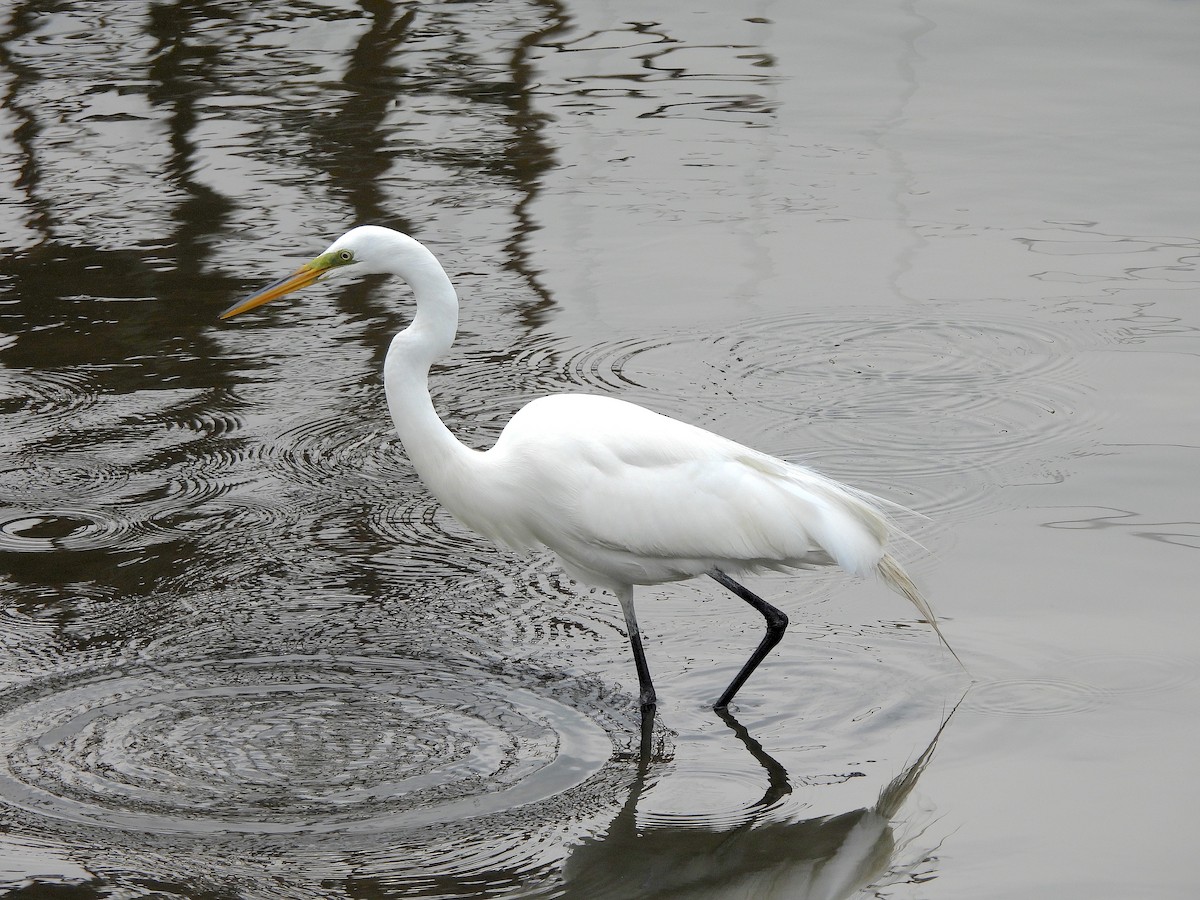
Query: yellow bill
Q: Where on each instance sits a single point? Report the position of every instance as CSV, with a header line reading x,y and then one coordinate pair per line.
x,y
301,278
307,274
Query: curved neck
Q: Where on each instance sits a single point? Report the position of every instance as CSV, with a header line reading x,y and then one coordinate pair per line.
x,y
435,453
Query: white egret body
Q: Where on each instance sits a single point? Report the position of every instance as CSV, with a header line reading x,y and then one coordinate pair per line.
x,y
621,495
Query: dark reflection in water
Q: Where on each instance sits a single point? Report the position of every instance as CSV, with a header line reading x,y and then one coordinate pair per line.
x,y
760,857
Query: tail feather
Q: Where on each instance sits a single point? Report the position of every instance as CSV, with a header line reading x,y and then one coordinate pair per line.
x,y
897,579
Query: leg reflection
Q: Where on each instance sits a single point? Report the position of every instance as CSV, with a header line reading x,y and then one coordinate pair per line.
x,y
759,856
778,783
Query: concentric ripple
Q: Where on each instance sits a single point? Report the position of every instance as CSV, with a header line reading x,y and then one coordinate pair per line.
x,y
803,352
49,398
353,459
427,543
1034,697
289,744
875,390
61,528
710,796
80,476
1127,672
939,351
600,365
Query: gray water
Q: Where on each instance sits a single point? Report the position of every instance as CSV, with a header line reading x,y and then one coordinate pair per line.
x,y
943,251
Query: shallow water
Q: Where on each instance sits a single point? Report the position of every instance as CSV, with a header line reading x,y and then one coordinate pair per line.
x,y
946,252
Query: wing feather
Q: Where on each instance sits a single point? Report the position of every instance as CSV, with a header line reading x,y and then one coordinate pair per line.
x,y
627,479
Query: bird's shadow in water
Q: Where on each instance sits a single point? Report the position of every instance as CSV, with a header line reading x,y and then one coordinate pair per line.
x,y
827,857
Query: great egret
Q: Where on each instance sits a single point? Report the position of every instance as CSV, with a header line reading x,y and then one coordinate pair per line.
x,y
621,495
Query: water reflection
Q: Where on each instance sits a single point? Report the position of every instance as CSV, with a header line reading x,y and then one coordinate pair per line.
x,y
760,856
555,847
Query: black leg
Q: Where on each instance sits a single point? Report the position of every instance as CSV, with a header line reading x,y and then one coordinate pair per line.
x,y
646,746
647,697
776,625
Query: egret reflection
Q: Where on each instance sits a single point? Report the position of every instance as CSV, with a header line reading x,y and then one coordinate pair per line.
x,y
822,858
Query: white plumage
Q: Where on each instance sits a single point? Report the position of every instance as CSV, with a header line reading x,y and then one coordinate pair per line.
x,y
625,496
621,495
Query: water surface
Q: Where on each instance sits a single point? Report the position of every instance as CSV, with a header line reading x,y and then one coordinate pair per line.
x,y
946,252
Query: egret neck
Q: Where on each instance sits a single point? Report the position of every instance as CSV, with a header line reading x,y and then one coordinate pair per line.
x,y
436,454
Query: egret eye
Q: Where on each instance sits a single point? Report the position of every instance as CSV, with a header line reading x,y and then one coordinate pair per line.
x,y
345,255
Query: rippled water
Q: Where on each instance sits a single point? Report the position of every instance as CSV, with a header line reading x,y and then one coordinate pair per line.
x,y
946,252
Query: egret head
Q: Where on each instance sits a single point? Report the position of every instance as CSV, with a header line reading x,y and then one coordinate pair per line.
x,y
367,249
